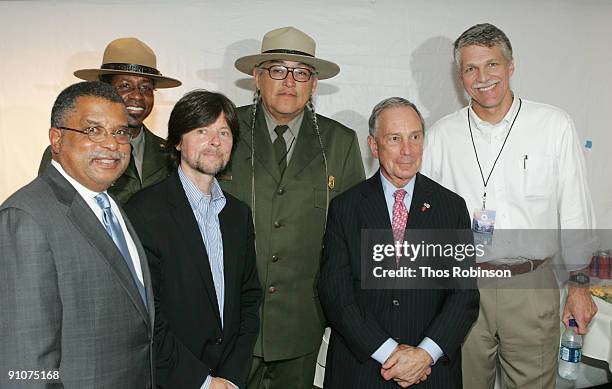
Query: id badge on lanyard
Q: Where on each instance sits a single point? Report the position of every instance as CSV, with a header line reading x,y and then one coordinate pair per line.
x,y
483,224
483,220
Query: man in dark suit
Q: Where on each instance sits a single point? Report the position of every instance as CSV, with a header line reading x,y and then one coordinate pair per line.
x,y
75,291
382,338
200,246
129,65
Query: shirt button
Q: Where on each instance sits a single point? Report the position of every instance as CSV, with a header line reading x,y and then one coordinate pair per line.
x,y
280,191
271,289
275,258
277,224
396,303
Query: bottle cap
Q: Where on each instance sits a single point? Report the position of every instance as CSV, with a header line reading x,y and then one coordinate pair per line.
x,y
572,323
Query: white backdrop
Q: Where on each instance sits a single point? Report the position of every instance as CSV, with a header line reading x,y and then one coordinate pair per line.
x,y
563,52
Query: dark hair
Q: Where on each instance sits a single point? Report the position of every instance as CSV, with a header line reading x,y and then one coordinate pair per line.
x,y
66,100
390,102
106,78
198,108
484,34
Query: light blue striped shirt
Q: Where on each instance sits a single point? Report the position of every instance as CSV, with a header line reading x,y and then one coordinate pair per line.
x,y
206,209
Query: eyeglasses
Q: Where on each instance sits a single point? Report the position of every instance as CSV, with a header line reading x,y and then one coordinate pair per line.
x,y
280,72
99,134
127,88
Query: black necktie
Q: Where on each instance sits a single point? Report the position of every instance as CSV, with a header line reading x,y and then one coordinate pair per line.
x,y
280,148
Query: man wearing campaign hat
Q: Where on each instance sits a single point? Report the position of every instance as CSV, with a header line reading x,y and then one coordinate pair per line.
x,y
288,163
130,66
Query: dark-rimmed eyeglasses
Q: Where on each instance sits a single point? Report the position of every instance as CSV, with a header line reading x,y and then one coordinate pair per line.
x,y
99,134
280,72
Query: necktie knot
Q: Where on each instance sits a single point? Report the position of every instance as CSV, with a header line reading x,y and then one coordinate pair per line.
x,y
103,201
399,195
280,130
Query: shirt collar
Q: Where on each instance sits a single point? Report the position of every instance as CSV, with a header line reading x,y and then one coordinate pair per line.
x,y
484,126
195,196
85,193
389,188
139,139
294,124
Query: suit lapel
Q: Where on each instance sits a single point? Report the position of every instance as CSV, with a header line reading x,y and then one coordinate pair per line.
x,y
307,147
153,158
374,209
418,216
144,265
186,222
81,215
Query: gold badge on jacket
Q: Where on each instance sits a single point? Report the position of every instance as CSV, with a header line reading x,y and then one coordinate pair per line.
x,y
331,182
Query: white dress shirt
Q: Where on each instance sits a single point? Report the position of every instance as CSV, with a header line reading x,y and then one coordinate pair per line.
x,y
89,197
539,181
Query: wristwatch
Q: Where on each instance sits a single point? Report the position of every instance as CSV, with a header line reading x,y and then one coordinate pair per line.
x,y
580,278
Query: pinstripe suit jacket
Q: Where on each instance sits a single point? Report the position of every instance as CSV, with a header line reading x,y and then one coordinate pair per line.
x,y
67,298
361,319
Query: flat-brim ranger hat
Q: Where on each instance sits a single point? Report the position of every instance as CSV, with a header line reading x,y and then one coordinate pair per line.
x,y
129,56
288,44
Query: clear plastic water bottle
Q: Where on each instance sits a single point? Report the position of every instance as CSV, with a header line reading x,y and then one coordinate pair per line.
x,y
570,353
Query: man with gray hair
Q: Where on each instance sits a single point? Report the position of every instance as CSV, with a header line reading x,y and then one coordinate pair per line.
x,y
519,166
382,338
287,165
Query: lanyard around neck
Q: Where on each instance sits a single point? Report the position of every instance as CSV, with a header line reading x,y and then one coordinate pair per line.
x,y
486,182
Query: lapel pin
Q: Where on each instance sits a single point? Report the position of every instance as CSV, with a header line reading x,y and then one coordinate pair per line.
x,y
425,207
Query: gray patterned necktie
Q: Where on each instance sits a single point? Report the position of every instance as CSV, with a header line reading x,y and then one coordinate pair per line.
x,y
112,226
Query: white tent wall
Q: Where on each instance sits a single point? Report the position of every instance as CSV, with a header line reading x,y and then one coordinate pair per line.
x,y
563,52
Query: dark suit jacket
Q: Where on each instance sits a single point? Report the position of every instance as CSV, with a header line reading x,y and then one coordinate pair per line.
x,y
67,297
189,341
362,320
155,167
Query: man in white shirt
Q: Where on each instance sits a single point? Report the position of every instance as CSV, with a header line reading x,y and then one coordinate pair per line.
x,y
517,163
75,290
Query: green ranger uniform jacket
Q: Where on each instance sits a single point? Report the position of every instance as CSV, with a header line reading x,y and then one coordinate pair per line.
x,y
290,221
155,168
